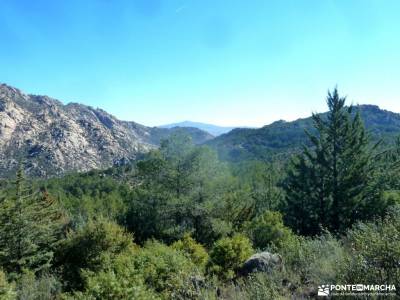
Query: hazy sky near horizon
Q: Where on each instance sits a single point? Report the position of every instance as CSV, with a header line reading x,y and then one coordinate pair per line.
x,y
229,62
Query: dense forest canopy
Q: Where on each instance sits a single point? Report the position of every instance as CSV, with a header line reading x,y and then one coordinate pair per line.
x,y
179,223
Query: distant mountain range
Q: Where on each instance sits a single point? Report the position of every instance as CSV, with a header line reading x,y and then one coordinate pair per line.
x,y
210,128
281,139
52,138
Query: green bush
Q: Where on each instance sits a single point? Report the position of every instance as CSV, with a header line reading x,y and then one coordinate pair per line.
x,y
391,198
109,286
261,286
374,249
312,261
7,290
166,270
258,286
92,247
120,280
228,254
268,231
195,251
45,287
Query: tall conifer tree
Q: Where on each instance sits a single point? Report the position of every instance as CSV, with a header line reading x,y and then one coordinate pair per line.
x,y
30,224
327,182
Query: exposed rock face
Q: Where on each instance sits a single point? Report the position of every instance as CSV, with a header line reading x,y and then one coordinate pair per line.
x,y
261,262
52,138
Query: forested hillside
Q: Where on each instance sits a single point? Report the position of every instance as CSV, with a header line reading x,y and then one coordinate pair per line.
x,y
179,223
281,139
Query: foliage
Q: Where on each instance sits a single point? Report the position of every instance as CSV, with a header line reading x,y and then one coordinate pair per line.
x,y
91,247
374,249
228,254
30,224
166,270
45,287
268,231
7,290
312,261
181,189
195,251
109,286
261,180
91,194
258,286
117,280
385,184
326,185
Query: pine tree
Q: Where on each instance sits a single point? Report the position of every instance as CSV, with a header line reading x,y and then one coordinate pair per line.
x,y
328,181
30,224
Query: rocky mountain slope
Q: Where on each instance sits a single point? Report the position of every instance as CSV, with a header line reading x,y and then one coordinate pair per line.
x,y
52,138
280,139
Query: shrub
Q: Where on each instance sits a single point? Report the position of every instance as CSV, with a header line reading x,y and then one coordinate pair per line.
x,y
120,280
316,260
268,231
109,286
374,249
166,270
391,198
258,286
195,251
7,290
92,247
228,254
45,287
261,286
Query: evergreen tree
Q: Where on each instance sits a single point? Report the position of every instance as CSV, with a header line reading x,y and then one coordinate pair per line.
x,y
260,181
326,184
385,184
30,224
179,189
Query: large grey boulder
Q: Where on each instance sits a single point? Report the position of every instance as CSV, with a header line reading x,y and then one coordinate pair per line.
x,y
261,262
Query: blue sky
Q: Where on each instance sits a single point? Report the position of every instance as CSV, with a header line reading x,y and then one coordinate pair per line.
x,y
225,62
